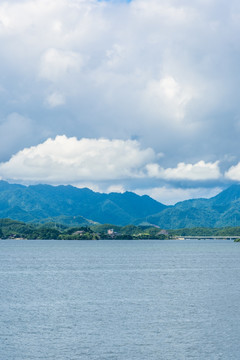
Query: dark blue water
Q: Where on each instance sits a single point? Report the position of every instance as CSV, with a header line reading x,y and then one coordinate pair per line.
x,y
119,300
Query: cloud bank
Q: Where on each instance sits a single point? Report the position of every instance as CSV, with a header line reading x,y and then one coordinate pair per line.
x,y
162,73
107,165
68,160
166,77
198,171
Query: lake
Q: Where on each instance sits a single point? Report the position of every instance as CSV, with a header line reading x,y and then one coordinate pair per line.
x,y
119,300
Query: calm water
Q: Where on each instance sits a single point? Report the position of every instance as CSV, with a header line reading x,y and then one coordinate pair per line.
x,y
122,300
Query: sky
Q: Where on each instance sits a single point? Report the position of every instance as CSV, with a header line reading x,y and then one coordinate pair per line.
x,y
138,95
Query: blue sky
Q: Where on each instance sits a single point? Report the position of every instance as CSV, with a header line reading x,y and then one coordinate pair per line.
x,y
118,95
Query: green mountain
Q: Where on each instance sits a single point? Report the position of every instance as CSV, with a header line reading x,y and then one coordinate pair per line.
x,y
72,206
219,211
52,203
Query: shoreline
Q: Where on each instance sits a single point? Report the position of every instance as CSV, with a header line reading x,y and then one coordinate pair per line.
x,y
195,239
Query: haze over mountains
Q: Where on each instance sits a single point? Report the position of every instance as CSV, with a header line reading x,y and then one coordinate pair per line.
x,y
70,205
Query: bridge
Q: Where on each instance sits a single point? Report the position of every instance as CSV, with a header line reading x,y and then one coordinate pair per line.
x,y
199,237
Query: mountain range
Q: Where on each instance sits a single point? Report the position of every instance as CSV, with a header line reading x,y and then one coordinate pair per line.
x,y
74,206
67,203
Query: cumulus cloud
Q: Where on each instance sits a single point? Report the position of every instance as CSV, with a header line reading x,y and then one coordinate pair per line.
x,y
199,171
233,173
106,165
68,160
167,93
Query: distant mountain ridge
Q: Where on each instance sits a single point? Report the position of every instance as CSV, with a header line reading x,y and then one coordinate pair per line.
x,y
71,205
37,202
218,211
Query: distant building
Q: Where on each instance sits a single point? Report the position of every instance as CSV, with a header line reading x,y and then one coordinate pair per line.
x,y
110,232
163,232
80,232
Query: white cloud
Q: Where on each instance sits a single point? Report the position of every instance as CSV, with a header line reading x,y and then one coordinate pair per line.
x,y
144,69
68,160
115,55
56,64
233,173
199,171
164,11
116,188
55,99
168,93
92,186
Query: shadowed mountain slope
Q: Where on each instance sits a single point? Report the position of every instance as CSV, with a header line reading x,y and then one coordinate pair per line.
x,y
37,202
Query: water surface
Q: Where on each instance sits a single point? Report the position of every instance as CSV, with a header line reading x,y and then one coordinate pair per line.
x,y
119,300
